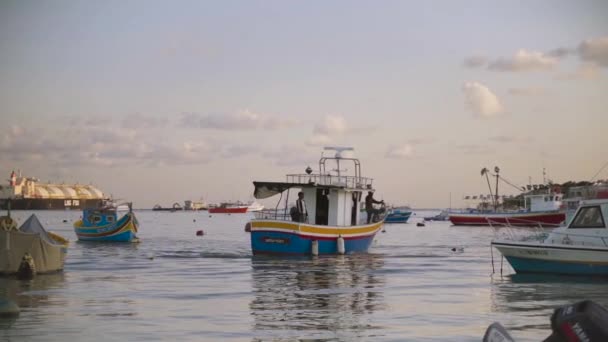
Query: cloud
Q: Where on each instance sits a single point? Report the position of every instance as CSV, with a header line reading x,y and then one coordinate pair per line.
x,y
399,151
527,91
481,100
140,121
594,50
585,71
475,61
524,60
107,146
241,120
561,52
331,124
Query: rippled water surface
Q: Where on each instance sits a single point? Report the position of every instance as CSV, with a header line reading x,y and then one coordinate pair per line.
x,y
177,286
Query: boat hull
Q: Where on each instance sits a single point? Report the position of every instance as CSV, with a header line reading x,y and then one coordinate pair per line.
x,y
124,230
286,238
546,219
51,204
555,258
399,217
237,210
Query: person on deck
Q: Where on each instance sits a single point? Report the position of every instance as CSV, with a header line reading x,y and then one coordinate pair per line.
x,y
369,206
301,207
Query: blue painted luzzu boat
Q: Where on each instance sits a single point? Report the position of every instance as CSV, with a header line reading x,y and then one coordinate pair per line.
x,y
332,222
103,224
398,215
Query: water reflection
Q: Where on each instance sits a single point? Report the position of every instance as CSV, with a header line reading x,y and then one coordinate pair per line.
x,y
31,294
319,295
533,297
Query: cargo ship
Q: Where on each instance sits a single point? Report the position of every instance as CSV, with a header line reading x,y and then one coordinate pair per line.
x,y
28,193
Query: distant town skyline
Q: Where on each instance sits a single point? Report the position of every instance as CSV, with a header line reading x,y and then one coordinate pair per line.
x,y
159,102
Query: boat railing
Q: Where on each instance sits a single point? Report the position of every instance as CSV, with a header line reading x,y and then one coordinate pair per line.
x,y
351,182
508,231
273,214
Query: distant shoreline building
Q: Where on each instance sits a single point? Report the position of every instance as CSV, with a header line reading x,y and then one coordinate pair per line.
x,y
28,193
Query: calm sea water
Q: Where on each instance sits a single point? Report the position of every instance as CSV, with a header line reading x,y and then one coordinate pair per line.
x,y
177,286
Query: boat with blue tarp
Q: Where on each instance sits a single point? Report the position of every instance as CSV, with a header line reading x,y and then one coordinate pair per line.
x,y
328,221
103,224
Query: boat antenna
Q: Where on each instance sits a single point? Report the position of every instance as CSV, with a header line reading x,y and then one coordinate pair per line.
x,y
485,172
600,171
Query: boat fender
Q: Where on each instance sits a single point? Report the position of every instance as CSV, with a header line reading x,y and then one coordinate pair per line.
x,y
248,227
200,233
315,248
27,268
340,242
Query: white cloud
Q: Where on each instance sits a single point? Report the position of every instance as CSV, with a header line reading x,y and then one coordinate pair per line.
x,y
475,61
240,120
331,125
399,151
289,155
594,50
481,100
524,60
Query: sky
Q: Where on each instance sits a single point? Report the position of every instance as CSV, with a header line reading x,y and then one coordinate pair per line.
x,y
161,101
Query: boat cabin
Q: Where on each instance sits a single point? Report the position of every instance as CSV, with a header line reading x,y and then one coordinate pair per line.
x,y
332,198
543,202
590,215
98,217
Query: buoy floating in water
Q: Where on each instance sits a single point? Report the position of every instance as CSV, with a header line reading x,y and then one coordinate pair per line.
x,y
420,224
194,220
200,233
65,221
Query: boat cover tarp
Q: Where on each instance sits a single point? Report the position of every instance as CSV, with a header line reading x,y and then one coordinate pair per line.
x,y
31,238
269,189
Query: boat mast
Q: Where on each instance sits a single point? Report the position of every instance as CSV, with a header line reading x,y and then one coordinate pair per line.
x,y
497,170
485,172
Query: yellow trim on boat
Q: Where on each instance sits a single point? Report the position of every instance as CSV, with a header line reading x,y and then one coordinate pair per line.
x,y
317,229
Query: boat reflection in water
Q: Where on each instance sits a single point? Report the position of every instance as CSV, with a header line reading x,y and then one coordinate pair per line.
x,y
326,297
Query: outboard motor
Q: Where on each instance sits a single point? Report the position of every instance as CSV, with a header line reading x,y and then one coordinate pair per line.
x,y
27,268
584,321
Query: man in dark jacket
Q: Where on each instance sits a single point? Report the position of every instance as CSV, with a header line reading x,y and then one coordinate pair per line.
x,y
369,206
301,206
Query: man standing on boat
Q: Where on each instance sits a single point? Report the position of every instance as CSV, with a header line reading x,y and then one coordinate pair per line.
x,y
301,206
369,206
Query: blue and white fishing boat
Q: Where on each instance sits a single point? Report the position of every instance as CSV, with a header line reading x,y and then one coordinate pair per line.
x,y
580,247
333,224
398,215
103,224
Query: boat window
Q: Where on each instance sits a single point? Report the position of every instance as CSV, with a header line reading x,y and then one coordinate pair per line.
x,y
110,218
588,217
96,219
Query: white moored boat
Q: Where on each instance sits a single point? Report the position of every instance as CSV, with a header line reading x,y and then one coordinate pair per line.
x,y
580,247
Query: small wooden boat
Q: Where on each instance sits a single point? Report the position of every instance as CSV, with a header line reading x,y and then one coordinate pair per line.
x,y
29,249
332,224
398,215
580,248
103,224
